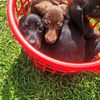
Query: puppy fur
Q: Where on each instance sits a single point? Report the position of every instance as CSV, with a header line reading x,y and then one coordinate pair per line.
x,y
32,29
92,46
90,8
70,45
53,17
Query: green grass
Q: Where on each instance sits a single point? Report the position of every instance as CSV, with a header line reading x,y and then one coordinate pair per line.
x,y
19,80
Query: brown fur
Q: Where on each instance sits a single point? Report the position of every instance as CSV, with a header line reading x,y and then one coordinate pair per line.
x,y
53,16
52,11
34,2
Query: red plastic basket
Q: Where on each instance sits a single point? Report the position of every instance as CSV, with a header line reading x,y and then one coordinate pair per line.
x,y
40,60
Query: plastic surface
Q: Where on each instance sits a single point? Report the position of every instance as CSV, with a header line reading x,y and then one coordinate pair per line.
x,y
40,60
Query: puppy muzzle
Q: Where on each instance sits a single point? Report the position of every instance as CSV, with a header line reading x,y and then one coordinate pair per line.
x,y
51,36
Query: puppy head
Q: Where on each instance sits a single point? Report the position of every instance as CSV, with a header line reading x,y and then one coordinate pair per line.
x,y
42,7
32,28
53,21
92,8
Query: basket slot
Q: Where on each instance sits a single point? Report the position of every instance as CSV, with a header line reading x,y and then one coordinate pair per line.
x,y
96,70
56,69
96,23
40,64
21,10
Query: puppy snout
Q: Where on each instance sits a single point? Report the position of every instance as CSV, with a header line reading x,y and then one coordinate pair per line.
x,y
33,41
51,37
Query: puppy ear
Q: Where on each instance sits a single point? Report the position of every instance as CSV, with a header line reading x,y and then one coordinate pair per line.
x,y
40,8
21,22
64,8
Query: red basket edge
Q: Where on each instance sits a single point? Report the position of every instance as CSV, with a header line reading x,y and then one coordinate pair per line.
x,y
14,28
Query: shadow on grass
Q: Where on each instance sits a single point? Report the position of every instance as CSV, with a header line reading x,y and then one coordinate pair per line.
x,y
24,82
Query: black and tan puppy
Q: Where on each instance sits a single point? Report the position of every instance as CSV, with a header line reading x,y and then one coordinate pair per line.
x,y
92,9
32,28
70,46
89,8
77,11
77,41
52,16
53,21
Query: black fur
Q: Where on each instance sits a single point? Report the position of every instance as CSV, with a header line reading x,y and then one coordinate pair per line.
x,y
32,28
78,12
70,46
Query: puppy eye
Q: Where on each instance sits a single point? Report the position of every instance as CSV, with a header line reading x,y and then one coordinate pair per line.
x,y
60,25
38,24
49,21
40,28
45,23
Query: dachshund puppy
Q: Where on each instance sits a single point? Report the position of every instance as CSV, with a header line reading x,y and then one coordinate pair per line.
x,y
32,28
47,2
77,41
70,45
53,22
52,16
90,8
79,16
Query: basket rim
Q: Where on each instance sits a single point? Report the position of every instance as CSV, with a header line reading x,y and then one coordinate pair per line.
x,y
16,32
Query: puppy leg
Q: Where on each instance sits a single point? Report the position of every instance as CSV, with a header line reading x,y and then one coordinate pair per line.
x,y
92,42
76,13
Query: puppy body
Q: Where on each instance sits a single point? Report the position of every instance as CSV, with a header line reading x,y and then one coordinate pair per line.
x,y
90,8
32,28
52,16
69,47
92,46
53,21
82,45
45,3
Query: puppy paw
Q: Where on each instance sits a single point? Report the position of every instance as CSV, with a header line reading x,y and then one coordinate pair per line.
x,y
97,31
97,57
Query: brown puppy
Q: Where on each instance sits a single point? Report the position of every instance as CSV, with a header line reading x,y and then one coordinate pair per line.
x,y
34,2
53,17
53,21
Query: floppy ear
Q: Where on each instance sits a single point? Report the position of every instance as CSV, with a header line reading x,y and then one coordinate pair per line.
x,y
64,8
21,21
39,8
42,7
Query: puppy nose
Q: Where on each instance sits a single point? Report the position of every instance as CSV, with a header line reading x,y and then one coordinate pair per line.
x,y
33,41
50,39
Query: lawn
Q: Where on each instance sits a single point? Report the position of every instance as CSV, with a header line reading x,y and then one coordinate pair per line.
x,y
19,80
